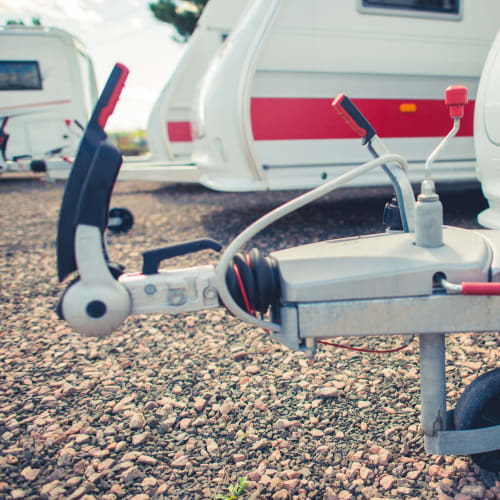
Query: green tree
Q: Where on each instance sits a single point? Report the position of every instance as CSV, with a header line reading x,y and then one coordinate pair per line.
x,y
183,15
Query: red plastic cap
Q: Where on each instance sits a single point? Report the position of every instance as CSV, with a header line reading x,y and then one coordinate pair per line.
x,y
455,99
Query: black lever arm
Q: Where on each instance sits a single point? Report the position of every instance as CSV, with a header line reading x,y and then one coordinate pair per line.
x,y
152,258
94,154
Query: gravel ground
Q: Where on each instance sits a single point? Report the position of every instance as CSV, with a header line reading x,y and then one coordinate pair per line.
x,y
186,406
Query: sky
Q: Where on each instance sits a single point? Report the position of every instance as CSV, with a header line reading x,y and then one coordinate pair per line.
x,y
113,31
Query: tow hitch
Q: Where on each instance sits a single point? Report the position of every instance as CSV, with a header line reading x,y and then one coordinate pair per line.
x,y
423,279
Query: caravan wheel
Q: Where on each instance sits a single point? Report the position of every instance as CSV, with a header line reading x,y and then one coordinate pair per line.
x,y
120,220
479,406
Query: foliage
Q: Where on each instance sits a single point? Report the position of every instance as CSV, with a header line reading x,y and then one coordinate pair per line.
x,y
235,490
35,21
183,15
130,143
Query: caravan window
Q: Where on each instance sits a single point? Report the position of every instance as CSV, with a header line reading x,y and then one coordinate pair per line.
x,y
449,9
20,75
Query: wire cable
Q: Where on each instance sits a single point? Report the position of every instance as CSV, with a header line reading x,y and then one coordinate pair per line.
x,y
363,349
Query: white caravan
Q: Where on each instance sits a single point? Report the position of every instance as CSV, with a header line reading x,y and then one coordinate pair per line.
x,y
487,136
47,91
261,117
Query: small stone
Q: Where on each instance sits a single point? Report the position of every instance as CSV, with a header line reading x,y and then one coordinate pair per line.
x,y
328,392
185,423
17,493
123,403
169,422
199,404
238,457
82,438
136,421
436,470
460,465
330,494
179,462
131,456
226,407
260,445
130,474
47,488
239,355
66,457
473,490
79,492
74,481
149,482
290,484
260,405
105,464
384,456
141,496
387,482
117,489
252,369
369,492
283,423
254,475
30,474
145,459
138,439
317,433
281,495
212,446
365,473
345,495
413,474
162,489
364,404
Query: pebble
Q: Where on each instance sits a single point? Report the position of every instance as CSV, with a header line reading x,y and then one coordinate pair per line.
x,y
387,482
137,421
328,392
199,404
29,474
138,439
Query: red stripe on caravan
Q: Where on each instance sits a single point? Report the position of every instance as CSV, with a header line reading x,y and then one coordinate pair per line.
x,y
280,119
179,131
37,104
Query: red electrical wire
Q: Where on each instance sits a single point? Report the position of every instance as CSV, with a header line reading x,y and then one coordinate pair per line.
x,y
362,349
243,291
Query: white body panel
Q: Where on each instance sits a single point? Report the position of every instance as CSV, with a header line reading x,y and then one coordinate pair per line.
x,y
37,117
487,136
308,53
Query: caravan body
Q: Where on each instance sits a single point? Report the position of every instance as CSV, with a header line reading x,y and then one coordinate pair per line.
x,y
262,116
487,136
47,88
169,130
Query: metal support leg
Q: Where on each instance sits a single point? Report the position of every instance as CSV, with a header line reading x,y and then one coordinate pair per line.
x,y
432,384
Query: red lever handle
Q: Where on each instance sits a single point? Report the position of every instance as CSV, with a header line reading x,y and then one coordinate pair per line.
x,y
456,98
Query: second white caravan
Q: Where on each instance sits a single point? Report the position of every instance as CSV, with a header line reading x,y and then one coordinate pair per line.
x,y
47,91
